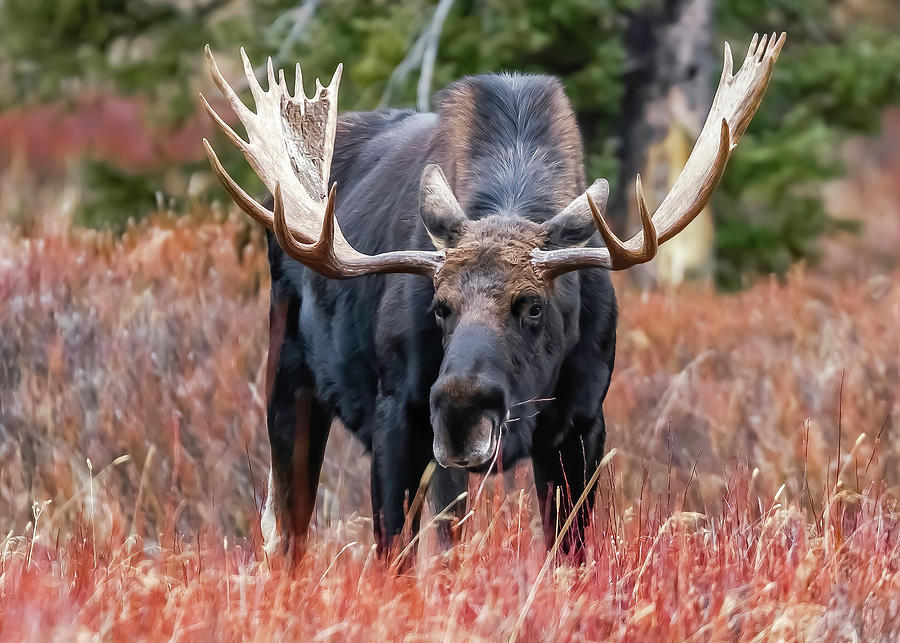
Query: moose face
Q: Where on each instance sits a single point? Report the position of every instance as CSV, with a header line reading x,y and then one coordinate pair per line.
x,y
505,334
506,329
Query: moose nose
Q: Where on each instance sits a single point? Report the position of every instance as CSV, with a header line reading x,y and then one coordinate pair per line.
x,y
466,414
464,398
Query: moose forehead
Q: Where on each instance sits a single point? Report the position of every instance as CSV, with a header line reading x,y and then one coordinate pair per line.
x,y
492,260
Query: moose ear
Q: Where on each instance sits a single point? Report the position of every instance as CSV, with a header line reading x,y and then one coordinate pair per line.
x,y
575,225
441,213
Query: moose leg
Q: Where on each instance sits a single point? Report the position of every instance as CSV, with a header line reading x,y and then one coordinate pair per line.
x,y
298,432
446,486
401,450
275,498
563,473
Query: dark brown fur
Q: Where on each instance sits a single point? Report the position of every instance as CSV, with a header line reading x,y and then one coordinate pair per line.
x,y
466,139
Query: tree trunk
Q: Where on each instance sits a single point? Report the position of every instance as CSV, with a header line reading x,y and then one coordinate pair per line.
x,y
668,91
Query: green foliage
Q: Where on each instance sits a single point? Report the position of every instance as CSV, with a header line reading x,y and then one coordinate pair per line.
x,y
834,77
114,196
58,49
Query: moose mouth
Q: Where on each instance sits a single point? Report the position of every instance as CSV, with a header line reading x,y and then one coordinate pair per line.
x,y
480,453
493,451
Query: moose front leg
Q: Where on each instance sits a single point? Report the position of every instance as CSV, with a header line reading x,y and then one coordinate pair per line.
x,y
298,432
445,489
562,474
401,451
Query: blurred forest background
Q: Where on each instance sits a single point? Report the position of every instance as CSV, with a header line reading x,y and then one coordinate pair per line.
x,y
100,96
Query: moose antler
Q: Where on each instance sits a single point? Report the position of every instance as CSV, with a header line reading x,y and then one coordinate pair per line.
x,y
290,145
734,104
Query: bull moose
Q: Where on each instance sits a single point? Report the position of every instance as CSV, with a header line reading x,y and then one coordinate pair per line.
x,y
494,337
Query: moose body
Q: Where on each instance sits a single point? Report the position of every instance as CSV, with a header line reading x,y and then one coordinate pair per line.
x,y
495,340
369,350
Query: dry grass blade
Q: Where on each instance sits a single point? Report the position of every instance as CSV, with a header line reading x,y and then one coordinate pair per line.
x,y
551,555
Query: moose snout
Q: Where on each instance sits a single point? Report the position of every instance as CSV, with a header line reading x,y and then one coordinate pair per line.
x,y
466,413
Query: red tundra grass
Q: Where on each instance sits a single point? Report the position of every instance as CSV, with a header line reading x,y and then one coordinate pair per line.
x,y
752,494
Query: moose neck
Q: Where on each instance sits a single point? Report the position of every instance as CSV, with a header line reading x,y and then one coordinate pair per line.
x,y
510,145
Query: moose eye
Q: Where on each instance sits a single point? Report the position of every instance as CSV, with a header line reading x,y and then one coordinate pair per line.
x,y
441,310
530,309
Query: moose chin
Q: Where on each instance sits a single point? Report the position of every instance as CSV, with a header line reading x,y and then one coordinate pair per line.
x,y
454,303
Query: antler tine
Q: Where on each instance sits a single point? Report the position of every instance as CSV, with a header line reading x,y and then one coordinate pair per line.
x,y
225,127
252,83
230,95
620,255
270,73
755,71
280,227
727,65
244,201
651,241
336,77
319,252
761,49
734,104
298,83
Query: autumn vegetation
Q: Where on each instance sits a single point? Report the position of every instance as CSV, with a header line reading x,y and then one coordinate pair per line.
x,y
752,486
752,493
